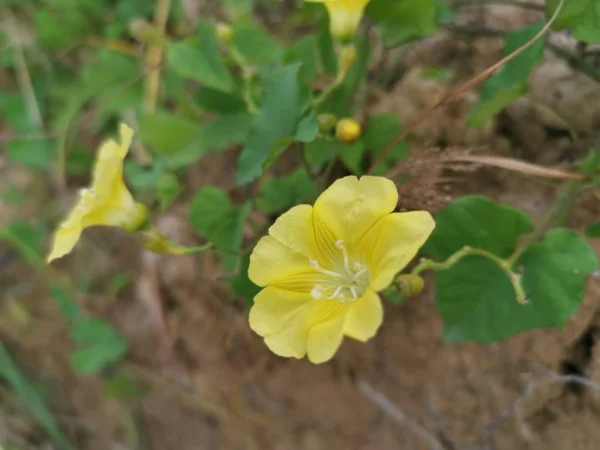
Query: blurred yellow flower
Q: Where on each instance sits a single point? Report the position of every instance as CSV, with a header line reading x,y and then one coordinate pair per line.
x,y
344,16
106,202
321,267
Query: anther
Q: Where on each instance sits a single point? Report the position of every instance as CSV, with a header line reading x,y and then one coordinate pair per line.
x,y
317,292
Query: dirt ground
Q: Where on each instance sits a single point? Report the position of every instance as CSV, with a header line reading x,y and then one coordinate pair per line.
x,y
212,384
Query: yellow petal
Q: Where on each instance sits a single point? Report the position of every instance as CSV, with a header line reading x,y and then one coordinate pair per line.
x,y
324,339
69,231
345,15
350,207
283,258
393,243
275,308
108,170
364,317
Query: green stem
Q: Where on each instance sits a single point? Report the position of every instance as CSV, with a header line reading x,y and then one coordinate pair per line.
x,y
503,264
247,77
555,216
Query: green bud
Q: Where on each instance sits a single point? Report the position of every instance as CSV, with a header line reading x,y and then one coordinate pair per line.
x,y
409,284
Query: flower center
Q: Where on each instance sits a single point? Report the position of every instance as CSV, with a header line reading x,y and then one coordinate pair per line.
x,y
347,284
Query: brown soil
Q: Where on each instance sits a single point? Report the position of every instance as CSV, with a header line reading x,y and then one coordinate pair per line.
x,y
213,384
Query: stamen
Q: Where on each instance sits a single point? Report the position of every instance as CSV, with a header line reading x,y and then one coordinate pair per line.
x,y
353,290
336,293
318,268
358,274
340,244
317,292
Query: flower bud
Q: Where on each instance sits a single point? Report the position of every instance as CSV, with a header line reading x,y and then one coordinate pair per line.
x,y
409,285
346,58
155,242
224,33
347,130
327,122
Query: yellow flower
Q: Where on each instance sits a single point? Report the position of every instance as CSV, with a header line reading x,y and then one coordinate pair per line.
x,y
344,16
321,267
106,202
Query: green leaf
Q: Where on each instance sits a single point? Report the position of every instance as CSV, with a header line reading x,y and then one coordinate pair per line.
x,y
326,48
308,129
593,231
403,20
352,156
511,81
221,133
278,117
305,52
379,132
30,398
124,386
167,133
201,60
99,345
238,8
34,153
280,194
79,161
476,298
587,28
570,14
220,102
241,284
66,303
213,216
168,188
27,240
477,222
142,178
320,152
256,46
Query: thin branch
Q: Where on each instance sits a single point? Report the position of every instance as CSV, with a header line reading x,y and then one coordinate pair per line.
x,y
399,416
154,57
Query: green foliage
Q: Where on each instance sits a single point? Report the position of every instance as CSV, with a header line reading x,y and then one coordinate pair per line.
x,y
31,149
379,132
30,398
256,46
593,231
587,28
241,285
570,14
214,216
98,345
280,194
200,59
510,82
476,297
276,123
404,20
26,239
168,188
479,223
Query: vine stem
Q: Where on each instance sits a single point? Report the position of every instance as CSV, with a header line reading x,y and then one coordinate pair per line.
x,y
154,56
247,77
504,264
458,92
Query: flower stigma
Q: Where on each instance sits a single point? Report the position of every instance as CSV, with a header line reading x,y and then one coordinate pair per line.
x,y
348,283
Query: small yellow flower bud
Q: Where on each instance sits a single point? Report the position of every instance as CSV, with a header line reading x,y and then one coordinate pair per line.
x,y
347,130
155,242
346,58
327,122
224,33
409,284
